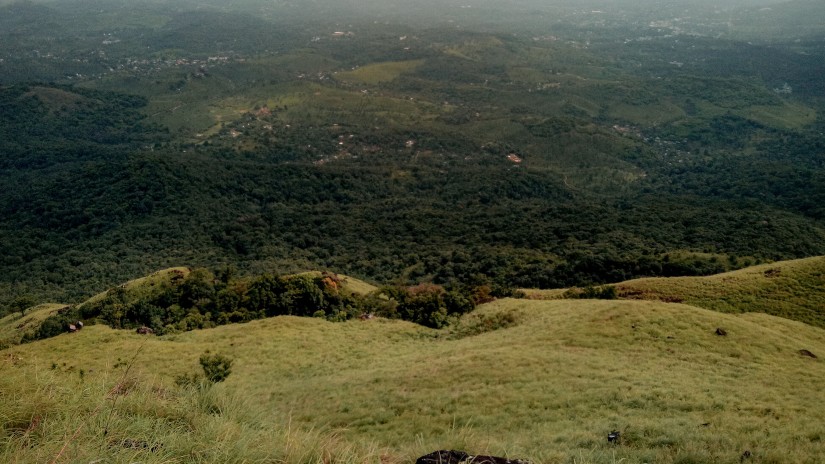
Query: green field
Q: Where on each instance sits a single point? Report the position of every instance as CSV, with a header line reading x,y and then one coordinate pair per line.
x,y
376,73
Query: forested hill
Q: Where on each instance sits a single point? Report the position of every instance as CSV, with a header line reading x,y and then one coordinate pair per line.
x,y
592,152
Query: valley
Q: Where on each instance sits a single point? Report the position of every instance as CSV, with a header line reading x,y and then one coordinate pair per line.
x,y
509,228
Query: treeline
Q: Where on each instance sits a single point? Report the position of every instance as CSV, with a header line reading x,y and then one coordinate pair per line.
x,y
201,299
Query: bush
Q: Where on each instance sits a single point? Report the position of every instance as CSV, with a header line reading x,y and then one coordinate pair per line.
x,y
604,292
216,367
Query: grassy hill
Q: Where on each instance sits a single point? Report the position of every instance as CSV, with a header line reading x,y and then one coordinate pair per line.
x,y
156,287
548,384
791,289
143,287
14,326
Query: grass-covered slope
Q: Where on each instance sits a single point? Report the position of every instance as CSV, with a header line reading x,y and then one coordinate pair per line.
x,y
14,326
790,289
144,287
155,301
548,384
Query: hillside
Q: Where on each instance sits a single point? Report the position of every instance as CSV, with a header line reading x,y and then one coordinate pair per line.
x,y
666,159
790,289
179,299
548,385
14,326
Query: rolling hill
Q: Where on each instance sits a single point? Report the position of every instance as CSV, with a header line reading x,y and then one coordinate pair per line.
x,y
790,289
793,289
543,380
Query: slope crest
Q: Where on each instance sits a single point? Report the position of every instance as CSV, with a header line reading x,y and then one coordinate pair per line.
x,y
790,289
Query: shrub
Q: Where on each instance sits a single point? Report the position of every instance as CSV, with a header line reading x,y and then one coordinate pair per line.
x,y
216,367
604,292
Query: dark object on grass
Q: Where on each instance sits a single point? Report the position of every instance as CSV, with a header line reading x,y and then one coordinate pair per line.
x,y
721,332
460,457
145,331
773,272
746,455
807,353
443,457
614,437
79,325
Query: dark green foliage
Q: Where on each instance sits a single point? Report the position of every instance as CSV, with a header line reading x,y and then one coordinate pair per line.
x,y
197,290
425,304
95,193
21,304
216,367
54,325
476,324
199,301
604,292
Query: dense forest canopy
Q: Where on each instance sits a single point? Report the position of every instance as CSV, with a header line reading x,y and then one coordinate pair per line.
x,y
516,144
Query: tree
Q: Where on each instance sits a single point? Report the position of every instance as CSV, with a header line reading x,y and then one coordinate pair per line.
x,y
22,303
197,289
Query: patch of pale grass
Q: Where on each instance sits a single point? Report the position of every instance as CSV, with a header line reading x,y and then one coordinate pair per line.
x,y
377,73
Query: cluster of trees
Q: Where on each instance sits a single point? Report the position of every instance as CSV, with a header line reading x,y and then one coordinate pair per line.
x,y
202,299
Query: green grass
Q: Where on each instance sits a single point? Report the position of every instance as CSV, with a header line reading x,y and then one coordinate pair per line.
x,y
548,384
377,73
14,326
349,284
145,286
544,294
788,116
119,417
653,114
790,289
